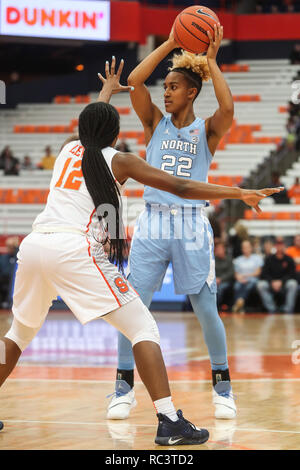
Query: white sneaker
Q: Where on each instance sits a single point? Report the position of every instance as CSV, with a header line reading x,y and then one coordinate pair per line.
x,y
223,399
120,405
122,432
223,431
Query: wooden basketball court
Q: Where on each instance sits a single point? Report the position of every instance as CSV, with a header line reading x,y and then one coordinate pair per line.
x,y
56,397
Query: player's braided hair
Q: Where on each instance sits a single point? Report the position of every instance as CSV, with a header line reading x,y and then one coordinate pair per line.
x,y
99,125
194,67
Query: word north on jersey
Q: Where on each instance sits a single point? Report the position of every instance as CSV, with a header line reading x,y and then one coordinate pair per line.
x,y
179,145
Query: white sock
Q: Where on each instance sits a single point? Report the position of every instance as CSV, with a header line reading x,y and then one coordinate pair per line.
x,y
165,406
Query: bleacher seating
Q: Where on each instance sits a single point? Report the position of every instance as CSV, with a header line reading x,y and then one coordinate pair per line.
x,y
262,90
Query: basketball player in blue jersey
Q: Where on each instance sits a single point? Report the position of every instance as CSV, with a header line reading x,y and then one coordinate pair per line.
x,y
183,145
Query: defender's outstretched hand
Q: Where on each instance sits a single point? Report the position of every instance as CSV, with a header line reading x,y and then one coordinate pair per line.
x,y
112,79
253,196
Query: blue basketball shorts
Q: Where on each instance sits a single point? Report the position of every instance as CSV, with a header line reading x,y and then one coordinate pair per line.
x,y
179,235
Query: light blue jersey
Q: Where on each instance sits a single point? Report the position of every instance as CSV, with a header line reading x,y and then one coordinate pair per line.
x,y
181,152
172,229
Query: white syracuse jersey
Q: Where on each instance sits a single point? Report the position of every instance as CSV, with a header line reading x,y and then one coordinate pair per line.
x,y
70,207
60,258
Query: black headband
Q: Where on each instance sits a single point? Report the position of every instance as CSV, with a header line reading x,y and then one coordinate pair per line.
x,y
193,76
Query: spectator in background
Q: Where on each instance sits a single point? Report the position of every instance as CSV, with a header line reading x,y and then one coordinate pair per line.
x,y
294,191
6,152
224,271
238,234
27,163
295,54
268,248
7,270
294,252
123,146
282,196
247,271
8,162
48,160
278,280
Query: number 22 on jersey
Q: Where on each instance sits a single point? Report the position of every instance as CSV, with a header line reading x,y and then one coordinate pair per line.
x,y
71,175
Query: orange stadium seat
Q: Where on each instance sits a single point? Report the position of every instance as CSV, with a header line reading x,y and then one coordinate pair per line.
x,y
42,129
282,109
59,129
283,215
249,214
123,110
246,98
214,166
62,99
28,129
82,99
234,68
265,215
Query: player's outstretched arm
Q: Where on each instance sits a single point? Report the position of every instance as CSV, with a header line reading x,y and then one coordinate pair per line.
x,y
128,165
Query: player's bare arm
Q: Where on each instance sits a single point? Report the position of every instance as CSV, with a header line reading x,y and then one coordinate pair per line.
x,y
128,165
148,112
218,124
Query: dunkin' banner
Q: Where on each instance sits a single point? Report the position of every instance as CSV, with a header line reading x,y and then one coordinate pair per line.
x,y
56,19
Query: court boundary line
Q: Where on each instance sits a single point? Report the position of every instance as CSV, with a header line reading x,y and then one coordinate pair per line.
x,y
139,382
106,423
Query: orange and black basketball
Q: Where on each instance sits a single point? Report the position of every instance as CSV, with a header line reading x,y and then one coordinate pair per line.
x,y
191,26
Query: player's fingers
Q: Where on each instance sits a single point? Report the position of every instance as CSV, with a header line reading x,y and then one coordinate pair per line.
x,y
107,69
257,209
270,191
119,72
209,36
216,28
101,78
113,65
127,88
221,32
261,194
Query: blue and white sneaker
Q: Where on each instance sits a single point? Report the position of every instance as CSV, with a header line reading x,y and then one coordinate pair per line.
x,y
223,400
123,400
178,433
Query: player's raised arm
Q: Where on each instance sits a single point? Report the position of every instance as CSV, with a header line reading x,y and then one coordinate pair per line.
x,y
218,124
128,165
148,112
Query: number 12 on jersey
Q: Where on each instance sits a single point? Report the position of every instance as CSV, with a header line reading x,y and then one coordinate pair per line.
x,y
169,165
70,179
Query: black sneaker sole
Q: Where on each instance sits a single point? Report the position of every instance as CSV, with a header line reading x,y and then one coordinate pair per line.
x,y
1,425
165,441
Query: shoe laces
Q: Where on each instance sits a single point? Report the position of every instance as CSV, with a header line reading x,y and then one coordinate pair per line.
x,y
180,416
223,389
121,389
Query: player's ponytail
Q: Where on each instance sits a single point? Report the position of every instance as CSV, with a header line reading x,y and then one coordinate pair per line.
x,y
99,125
193,66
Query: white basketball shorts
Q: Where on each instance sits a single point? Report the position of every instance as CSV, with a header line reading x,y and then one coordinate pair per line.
x,y
69,265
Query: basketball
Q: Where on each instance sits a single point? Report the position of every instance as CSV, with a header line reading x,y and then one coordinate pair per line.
x,y
190,28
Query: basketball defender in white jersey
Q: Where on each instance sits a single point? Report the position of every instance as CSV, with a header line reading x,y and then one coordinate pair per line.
x,y
61,256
